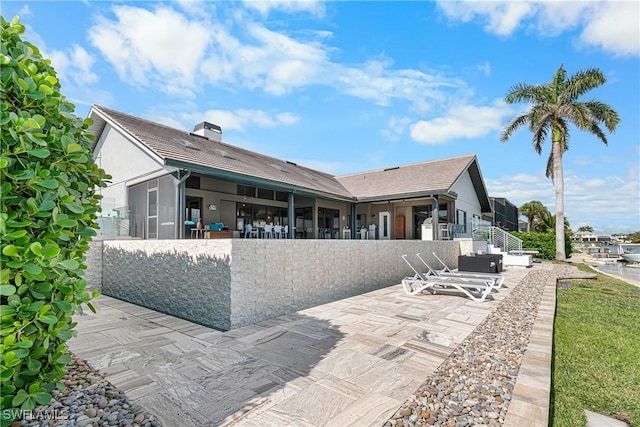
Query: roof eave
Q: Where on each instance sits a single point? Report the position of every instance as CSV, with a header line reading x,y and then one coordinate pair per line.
x,y
252,180
404,196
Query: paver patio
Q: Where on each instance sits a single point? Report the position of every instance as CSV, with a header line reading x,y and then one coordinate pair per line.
x,y
349,362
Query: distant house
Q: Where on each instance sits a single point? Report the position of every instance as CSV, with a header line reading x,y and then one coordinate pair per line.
x,y
165,179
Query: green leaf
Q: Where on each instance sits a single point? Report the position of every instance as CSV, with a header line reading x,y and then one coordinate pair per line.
x,y
4,162
50,250
24,344
41,153
6,374
63,305
75,207
65,358
7,290
73,147
46,206
36,95
66,223
49,319
10,250
21,396
48,183
69,264
32,268
42,398
36,248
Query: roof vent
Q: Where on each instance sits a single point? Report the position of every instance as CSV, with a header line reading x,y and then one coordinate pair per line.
x,y
393,168
291,163
224,154
187,144
209,130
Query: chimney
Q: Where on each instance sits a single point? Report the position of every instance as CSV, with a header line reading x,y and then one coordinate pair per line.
x,y
208,130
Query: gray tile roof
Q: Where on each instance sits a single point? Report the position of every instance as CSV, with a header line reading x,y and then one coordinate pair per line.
x,y
177,147
183,149
405,181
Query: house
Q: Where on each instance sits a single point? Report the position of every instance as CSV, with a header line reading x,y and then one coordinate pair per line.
x,y
165,179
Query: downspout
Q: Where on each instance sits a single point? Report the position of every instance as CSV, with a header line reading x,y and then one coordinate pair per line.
x,y
181,194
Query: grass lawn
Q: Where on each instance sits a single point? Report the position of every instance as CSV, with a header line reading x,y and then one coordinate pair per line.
x,y
596,362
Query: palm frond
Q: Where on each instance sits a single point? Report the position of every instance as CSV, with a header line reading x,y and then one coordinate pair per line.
x,y
582,82
522,92
513,126
597,131
603,113
539,137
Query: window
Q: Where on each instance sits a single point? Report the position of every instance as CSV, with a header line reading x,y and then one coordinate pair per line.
x,y
193,182
461,220
328,223
265,194
243,190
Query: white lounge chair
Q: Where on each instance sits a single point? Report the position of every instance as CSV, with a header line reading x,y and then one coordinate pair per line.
x,y
464,276
499,277
477,291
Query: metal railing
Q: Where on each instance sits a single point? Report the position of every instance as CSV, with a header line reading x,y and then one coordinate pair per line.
x,y
499,238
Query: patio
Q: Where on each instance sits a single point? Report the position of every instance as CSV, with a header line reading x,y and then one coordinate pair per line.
x,y
348,362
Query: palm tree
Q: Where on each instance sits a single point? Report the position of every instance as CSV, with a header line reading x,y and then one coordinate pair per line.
x,y
555,106
547,224
533,210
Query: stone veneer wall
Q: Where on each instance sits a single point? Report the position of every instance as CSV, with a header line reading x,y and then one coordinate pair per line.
x,y
229,283
93,273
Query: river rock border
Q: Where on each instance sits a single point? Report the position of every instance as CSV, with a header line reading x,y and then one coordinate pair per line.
x,y
504,364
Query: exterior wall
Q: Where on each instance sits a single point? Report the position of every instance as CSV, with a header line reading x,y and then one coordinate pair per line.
x,y
93,273
125,163
467,199
185,278
229,283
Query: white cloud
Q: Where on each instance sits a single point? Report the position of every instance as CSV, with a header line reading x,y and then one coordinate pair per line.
x,y
314,7
395,128
461,121
182,54
150,48
608,204
615,27
74,65
242,118
499,17
612,26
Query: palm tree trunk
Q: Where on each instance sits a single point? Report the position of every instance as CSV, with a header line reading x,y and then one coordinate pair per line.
x,y
558,187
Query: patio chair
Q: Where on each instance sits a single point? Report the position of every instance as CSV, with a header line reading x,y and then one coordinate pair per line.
x,y
249,231
476,291
498,277
463,276
277,231
268,232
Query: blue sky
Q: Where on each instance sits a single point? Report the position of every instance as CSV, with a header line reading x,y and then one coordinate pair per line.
x,y
351,86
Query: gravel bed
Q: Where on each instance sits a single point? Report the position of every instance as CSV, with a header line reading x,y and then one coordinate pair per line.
x,y
88,400
473,386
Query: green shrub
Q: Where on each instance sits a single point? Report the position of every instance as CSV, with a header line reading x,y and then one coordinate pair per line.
x,y
545,243
49,206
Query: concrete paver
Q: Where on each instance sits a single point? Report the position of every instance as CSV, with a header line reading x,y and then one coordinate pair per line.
x,y
349,362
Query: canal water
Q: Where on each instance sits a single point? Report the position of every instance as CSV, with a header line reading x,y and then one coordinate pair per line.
x,y
621,270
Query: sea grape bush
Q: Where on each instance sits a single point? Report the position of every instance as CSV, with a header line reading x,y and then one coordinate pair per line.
x,y
545,243
49,206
